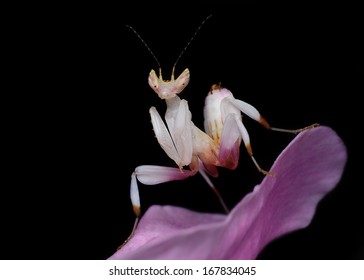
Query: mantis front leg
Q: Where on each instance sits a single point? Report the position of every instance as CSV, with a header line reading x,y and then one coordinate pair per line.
x,y
176,140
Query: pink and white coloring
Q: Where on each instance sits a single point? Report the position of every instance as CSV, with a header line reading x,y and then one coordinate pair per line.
x,y
193,150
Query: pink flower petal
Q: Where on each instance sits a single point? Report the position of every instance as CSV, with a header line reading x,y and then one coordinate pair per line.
x,y
309,168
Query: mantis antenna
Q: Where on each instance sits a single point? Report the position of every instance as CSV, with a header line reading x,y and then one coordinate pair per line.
x,y
178,58
145,44
189,42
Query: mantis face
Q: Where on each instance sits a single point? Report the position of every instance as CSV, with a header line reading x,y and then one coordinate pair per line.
x,y
168,89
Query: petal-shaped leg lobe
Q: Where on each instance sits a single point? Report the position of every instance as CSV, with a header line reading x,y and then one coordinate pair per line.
x,y
154,174
230,142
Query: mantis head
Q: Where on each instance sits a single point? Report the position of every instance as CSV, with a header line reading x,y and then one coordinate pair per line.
x,y
168,89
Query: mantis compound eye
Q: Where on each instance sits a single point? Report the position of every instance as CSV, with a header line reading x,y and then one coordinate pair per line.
x,y
182,80
153,81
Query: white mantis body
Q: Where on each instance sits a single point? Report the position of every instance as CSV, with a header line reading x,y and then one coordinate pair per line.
x,y
189,146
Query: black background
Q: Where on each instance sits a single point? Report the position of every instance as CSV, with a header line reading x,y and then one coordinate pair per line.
x,y
79,124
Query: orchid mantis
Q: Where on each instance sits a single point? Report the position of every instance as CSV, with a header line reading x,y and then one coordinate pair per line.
x,y
187,145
